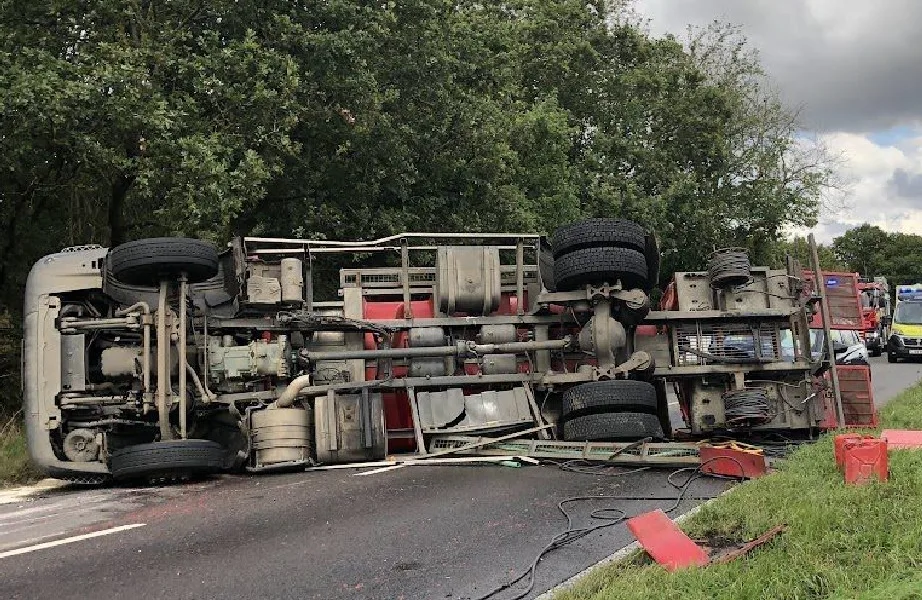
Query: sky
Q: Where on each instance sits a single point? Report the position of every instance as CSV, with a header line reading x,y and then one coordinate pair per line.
x,y
855,68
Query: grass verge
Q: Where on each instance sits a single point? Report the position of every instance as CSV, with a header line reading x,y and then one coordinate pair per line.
x,y
843,542
15,468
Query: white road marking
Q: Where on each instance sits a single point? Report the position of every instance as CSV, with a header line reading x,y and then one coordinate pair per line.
x,y
69,540
676,403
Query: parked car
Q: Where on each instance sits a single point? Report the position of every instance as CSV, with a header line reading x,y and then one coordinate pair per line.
x,y
847,345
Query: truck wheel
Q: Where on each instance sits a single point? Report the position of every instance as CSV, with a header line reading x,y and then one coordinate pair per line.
x,y
171,459
546,268
876,352
651,253
891,358
617,395
145,262
612,427
599,233
600,265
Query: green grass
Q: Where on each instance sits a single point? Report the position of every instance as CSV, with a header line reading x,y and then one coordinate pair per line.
x,y
843,542
15,468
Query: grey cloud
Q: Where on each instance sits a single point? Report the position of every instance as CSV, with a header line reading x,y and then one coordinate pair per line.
x,y
905,185
863,79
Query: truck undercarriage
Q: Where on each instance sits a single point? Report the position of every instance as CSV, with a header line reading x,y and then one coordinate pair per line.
x,y
162,357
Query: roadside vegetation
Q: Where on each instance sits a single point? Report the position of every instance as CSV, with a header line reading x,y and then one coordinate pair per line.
x,y
842,542
15,468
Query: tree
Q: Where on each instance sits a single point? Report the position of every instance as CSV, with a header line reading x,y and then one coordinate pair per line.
x,y
355,120
799,248
127,119
874,252
773,177
865,249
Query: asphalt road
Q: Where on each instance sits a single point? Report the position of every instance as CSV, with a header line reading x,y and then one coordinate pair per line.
x,y
416,533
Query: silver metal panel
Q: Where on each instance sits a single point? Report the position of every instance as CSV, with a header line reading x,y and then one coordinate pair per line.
x,y
73,363
292,280
468,279
263,290
486,410
348,428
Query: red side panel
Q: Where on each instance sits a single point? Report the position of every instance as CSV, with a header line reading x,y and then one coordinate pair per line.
x,y
665,542
844,300
857,398
902,439
388,310
397,413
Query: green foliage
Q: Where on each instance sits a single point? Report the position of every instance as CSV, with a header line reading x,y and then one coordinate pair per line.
x,y
15,468
342,119
872,252
799,248
841,541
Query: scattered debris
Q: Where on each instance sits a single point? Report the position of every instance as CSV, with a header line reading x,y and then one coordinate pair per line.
x,y
748,546
669,546
451,461
902,439
733,459
665,542
839,446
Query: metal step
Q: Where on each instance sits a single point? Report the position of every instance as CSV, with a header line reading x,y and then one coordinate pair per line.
x,y
667,454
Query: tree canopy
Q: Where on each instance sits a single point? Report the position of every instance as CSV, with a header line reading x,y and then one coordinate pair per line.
x,y
344,119
871,251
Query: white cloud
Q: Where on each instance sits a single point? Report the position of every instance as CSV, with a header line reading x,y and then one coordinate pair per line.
x,y
885,188
856,69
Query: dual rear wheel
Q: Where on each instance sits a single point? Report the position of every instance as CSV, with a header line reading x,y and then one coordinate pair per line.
x,y
595,252
615,410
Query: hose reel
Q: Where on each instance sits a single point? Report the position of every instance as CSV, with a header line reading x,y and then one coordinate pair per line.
x,y
729,267
747,407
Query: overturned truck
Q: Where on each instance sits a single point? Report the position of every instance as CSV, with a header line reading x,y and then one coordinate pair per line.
x,y
164,357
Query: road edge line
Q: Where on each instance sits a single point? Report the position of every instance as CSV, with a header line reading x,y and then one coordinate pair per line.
x,y
69,540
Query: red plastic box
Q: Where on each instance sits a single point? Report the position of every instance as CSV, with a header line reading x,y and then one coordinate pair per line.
x,y
864,460
839,446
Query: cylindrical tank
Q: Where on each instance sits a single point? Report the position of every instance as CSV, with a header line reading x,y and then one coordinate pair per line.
x,y
499,364
498,334
428,337
282,435
292,280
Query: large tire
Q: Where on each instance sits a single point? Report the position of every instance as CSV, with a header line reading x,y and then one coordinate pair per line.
x,y
546,268
599,265
599,233
145,262
617,395
613,427
651,253
171,459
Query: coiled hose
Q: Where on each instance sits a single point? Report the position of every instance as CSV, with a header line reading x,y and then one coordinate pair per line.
x,y
747,407
729,267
